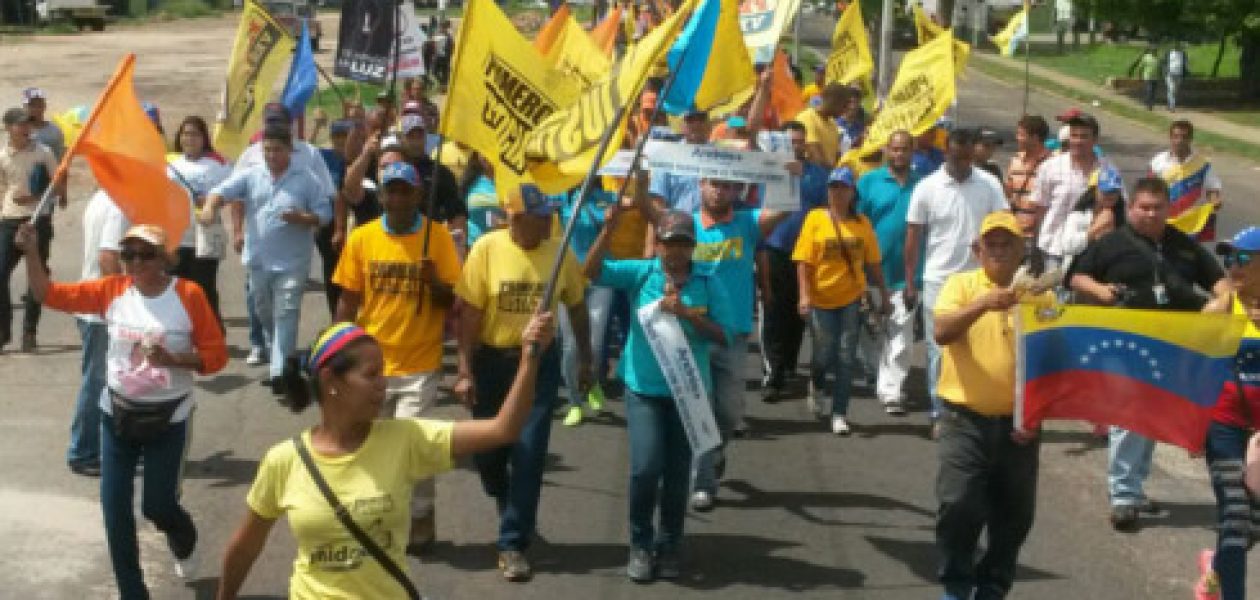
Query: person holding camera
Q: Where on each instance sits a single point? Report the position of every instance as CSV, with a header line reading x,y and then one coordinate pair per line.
x,y
1143,264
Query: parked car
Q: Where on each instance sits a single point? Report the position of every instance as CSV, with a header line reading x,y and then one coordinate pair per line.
x,y
80,13
291,14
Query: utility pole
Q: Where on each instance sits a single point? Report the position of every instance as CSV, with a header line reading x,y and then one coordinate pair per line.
x,y
885,48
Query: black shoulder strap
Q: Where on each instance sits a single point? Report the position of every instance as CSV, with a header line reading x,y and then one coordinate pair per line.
x,y
343,515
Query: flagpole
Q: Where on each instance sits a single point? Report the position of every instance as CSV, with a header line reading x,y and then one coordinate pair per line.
x,y
333,84
1027,52
429,196
393,79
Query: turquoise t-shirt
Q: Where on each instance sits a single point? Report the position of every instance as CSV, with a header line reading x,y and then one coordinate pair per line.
x,y
590,219
885,202
483,209
727,251
643,281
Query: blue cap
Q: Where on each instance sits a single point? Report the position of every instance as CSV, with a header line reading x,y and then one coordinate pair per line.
x,y
841,175
1110,181
530,200
400,171
1247,240
736,121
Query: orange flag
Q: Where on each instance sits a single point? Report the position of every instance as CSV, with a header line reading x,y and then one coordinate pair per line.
x,y
785,95
550,31
128,158
605,34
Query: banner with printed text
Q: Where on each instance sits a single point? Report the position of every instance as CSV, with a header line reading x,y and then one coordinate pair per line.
x,y
413,39
365,40
763,23
850,60
261,50
682,373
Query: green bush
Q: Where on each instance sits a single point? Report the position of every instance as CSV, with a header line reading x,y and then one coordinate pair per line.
x,y
186,9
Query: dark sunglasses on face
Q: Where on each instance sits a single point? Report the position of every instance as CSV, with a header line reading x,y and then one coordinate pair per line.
x,y
129,255
1238,258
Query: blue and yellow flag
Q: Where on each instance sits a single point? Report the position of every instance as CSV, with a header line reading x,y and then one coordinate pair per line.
x,y
1155,372
1015,32
709,73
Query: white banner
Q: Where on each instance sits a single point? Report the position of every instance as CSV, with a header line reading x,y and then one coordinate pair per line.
x,y
763,22
682,373
413,39
765,168
789,200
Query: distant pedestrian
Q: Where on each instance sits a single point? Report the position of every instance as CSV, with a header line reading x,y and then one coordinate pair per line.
x,y
987,143
1147,67
1176,70
43,130
197,168
1031,151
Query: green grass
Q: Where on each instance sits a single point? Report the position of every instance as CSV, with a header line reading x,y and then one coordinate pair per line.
x,y
1156,121
1101,61
328,99
186,9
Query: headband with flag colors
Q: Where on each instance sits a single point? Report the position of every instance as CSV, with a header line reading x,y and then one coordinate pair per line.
x,y
331,342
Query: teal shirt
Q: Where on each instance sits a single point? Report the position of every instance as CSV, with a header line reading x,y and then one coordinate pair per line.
x,y
727,251
643,281
885,202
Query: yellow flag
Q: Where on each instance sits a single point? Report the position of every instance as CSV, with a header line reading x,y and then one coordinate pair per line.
x,y
850,60
1016,31
922,92
729,78
575,53
927,30
262,49
501,89
562,149
550,31
1193,220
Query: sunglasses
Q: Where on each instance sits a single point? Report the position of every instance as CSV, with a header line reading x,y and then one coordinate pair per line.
x,y
1238,258
129,255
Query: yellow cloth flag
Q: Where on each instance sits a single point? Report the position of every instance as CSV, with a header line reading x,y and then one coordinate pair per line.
x,y
550,32
1194,220
729,79
575,53
927,30
501,89
262,49
1016,30
562,148
922,92
850,60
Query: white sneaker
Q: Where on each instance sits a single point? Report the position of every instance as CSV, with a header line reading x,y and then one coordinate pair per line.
x,y
255,357
839,425
702,501
187,568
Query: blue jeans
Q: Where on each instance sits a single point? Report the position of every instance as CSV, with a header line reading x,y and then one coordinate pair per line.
x,y
1235,509
660,466
85,427
257,339
1128,465
599,302
927,298
726,363
512,475
278,300
163,461
835,332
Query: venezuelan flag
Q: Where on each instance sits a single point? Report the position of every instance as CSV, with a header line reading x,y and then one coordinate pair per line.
x,y
1158,373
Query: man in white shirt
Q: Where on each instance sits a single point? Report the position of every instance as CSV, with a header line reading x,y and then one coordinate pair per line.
x,y
103,228
1190,177
944,218
1176,70
1061,181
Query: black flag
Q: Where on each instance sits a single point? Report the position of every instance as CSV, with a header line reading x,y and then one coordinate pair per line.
x,y
366,39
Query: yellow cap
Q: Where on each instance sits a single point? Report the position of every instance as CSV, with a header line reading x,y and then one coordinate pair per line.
x,y
1002,219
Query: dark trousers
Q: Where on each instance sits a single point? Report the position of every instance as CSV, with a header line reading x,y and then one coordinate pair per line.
x,y
10,257
512,475
1236,510
986,481
1150,88
202,271
328,256
782,328
660,471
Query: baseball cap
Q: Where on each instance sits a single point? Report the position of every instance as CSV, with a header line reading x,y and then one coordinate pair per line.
x,y
676,225
1068,115
1080,118
841,175
736,121
1247,240
1002,219
32,93
13,116
1109,181
527,198
400,171
410,123
276,112
150,234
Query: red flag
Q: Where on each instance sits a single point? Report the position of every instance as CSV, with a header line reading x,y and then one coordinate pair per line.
x,y
128,158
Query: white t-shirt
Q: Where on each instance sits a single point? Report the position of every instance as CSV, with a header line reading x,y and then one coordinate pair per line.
x,y
1058,187
197,177
1166,160
135,321
103,227
951,212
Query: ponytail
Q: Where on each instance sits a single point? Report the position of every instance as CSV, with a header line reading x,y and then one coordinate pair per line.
x,y
299,388
299,381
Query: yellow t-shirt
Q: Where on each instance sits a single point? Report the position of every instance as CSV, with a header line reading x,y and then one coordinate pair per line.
x,y
628,239
506,283
977,370
809,92
822,131
374,483
454,157
385,269
838,281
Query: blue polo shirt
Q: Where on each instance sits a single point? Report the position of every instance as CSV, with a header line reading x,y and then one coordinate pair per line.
x,y
885,202
813,195
270,243
727,251
926,162
643,281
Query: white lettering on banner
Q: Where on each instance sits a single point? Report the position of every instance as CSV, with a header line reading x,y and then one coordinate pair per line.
x,y
763,22
783,191
778,142
682,374
413,39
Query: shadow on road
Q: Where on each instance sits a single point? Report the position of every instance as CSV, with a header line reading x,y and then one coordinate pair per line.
x,y
749,497
204,589
223,467
923,560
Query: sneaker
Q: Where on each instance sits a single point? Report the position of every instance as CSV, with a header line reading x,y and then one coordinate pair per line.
x,y
514,566
1149,507
702,501
92,469
574,416
187,568
1124,518
895,408
595,398
839,425
423,533
668,565
1208,586
255,357
639,569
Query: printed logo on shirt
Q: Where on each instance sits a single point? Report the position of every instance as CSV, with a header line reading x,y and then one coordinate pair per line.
x,y
345,554
832,252
730,249
399,278
520,297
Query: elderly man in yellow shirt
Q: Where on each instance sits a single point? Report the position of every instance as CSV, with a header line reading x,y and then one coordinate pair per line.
x,y
988,468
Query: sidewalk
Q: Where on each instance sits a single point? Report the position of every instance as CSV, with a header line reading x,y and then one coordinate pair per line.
x,y
1117,103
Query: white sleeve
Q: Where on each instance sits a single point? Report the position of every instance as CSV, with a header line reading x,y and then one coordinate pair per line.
x,y
113,226
250,157
1212,182
917,213
320,169
1040,193
1074,236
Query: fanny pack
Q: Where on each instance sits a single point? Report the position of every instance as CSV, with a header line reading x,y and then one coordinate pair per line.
x,y
140,422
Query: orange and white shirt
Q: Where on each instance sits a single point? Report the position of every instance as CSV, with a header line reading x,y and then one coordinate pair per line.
x,y
179,320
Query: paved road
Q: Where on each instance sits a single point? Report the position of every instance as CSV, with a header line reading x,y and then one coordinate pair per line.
x,y
802,512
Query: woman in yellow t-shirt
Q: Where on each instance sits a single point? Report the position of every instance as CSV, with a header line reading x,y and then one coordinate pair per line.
x,y
836,254
370,465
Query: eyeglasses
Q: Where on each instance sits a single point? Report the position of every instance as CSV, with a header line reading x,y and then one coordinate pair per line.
x,y
141,255
1238,258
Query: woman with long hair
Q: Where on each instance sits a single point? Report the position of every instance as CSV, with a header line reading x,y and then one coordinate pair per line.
x,y
197,168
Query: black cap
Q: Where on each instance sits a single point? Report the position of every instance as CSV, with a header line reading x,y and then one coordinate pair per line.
x,y
13,116
676,225
275,112
1083,119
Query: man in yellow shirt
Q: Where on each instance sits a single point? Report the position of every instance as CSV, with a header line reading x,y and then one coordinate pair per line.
x,y
988,469
822,135
399,291
502,283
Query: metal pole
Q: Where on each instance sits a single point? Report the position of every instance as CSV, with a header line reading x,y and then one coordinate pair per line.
x,y
885,47
1027,53
796,35
393,80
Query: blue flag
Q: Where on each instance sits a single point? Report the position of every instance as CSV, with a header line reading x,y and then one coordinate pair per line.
x,y
689,57
303,77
